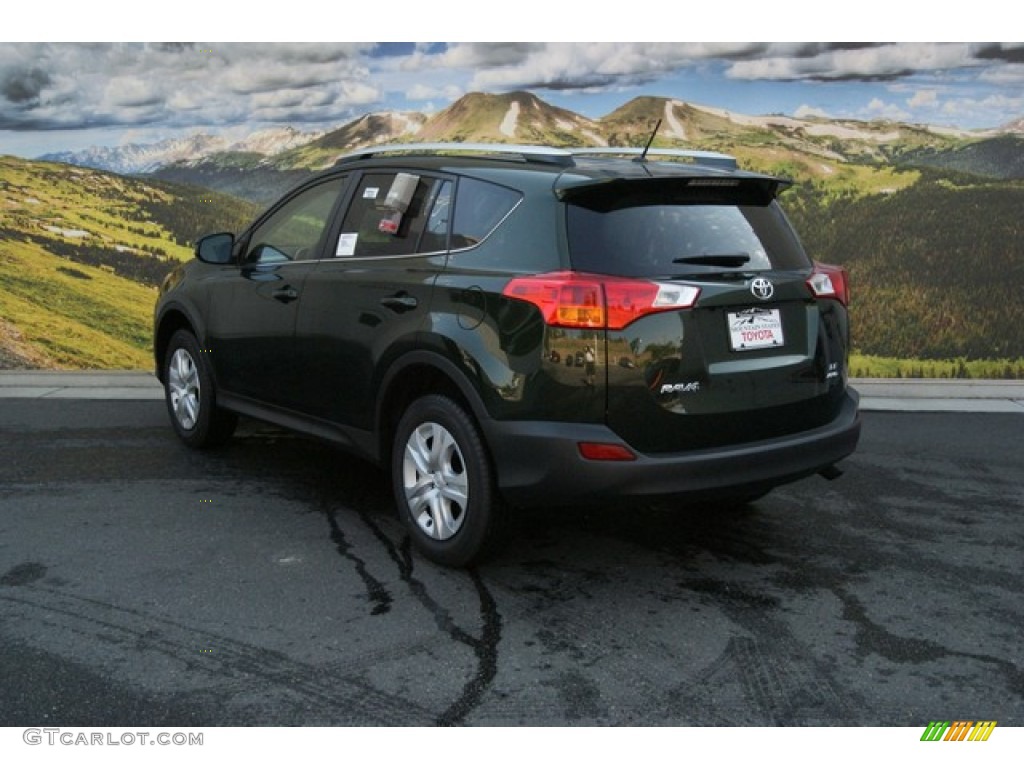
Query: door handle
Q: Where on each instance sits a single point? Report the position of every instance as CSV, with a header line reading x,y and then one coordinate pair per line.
x,y
401,302
285,294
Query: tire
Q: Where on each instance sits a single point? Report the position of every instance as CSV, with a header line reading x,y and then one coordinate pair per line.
x,y
443,483
191,396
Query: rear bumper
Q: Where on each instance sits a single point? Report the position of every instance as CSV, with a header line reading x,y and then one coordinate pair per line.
x,y
540,463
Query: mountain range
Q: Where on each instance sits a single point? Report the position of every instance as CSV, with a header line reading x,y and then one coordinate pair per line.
x,y
522,117
146,158
926,220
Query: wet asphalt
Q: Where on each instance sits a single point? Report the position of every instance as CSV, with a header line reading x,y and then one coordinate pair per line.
x,y
270,583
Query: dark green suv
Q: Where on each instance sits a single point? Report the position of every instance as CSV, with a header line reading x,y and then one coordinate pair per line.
x,y
512,325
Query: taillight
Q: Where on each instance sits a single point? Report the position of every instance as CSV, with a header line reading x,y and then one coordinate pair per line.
x,y
579,300
830,282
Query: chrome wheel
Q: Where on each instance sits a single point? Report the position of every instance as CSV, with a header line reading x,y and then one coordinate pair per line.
x,y
183,388
435,481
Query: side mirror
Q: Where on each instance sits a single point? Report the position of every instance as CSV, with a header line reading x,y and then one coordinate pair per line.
x,y
215,249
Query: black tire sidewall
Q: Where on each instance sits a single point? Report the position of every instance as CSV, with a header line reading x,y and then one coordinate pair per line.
x,y
478,529
211,427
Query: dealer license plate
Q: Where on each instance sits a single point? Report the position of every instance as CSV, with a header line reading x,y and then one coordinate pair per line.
x,y
755,328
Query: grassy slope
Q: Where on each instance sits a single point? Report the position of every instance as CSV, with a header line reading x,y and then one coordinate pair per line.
x,y
98,320
75,311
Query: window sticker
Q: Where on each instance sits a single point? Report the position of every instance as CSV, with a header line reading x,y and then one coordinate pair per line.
x,y
370,193
347,244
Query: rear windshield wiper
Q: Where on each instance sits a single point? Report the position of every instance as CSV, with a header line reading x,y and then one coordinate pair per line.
x,y
735,276
715,260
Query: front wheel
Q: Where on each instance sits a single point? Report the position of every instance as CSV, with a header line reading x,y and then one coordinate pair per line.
x,y
190,396
443,482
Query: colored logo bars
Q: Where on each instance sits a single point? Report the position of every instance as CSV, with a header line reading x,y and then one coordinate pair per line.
x,y
958,730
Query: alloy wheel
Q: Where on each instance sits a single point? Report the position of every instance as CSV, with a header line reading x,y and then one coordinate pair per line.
x,y
435,481
183,388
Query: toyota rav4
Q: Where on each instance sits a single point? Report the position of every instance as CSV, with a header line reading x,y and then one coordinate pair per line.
x,y
506,326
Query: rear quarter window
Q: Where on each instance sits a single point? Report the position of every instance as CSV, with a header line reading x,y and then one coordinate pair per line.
x,y
479,208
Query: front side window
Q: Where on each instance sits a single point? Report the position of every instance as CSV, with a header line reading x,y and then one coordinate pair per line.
x,y
294,231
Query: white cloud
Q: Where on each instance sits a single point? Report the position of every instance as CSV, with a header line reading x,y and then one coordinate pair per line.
x,y
54,85
996,104
927,97
805,111
874,62
421,92
131,91
878,109
1007,74
496,66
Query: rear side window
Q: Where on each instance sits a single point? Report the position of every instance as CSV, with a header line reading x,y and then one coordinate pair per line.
x,y
682,240
396,214
479,208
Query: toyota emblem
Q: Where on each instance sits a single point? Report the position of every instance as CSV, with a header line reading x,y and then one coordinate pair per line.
x,y
762,288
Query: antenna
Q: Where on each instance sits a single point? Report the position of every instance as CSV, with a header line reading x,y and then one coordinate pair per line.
x,y
643,155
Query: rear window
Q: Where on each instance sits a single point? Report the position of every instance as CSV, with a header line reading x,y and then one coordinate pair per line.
x,y
682,240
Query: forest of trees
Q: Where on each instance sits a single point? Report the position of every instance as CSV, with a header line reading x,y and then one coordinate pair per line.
x,y
936,269
188,216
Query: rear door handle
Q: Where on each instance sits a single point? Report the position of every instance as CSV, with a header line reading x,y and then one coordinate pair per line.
x,y
401,302
285,294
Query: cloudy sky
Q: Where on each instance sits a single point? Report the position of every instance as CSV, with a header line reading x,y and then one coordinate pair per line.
x,y
57,96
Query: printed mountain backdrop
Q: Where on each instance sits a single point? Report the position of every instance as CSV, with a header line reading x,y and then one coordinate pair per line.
x,y
928,221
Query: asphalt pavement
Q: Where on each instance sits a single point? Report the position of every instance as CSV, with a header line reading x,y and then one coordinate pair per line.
x,y
927,395
270,582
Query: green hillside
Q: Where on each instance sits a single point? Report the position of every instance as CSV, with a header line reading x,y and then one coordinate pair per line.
x,y
81,252
261,184
936,266
1001,157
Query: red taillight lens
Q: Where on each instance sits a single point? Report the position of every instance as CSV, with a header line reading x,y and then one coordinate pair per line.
x,y
830,282
579,300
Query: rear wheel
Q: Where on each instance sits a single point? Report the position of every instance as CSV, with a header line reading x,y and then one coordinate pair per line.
x,y
191,397
443,482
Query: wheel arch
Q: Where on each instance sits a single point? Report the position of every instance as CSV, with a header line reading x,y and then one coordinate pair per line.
x,y
172,319
412,376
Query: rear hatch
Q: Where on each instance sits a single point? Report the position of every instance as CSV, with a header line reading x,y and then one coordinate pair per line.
x,y
760,352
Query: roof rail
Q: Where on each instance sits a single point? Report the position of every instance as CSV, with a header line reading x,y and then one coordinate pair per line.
x,y
715,159
525,151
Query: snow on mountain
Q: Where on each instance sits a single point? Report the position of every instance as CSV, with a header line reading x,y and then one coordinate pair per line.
x,y
508,123
1017,126
146,158
141,158
273,140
